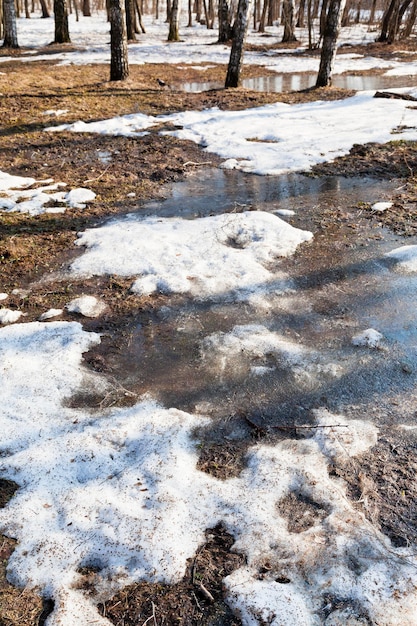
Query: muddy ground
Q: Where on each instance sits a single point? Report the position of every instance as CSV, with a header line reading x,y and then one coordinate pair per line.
x,y
383,485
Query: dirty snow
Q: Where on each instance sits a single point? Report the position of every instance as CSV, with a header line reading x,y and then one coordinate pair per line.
x,y
44,198
89,306
171,255
371,338
125,483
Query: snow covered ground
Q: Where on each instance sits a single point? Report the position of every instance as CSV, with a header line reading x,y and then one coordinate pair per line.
x,y
116,489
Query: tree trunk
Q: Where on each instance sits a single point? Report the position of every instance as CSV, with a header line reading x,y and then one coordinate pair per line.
x,y
130,20
323,17
174,34
27,11
9,24
394,29
86,8
288,21
119,66
238,44
225,27
372,13
45,10
389,15
190,13
301,14
139,16
61,22
410,21
328,51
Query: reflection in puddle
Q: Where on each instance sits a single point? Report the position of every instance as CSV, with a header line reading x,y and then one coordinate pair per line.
x,y
282,83
339,285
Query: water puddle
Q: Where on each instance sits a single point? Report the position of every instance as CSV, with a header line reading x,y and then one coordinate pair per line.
x,y
330,290
282,83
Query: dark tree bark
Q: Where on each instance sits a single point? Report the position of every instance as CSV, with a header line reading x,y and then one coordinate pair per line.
x,y
119,66
27,11
328,51
9,24
174,34
139,16
410,21
61,22
45,10
288,21
301,14
86,8
225,27
130,20
323,16
262,21
238,44
389,15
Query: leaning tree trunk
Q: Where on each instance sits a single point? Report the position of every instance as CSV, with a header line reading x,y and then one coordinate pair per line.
x,y
236,54
410,21
174,34
119,66
328,51
288,21
394,27
61,22
9,24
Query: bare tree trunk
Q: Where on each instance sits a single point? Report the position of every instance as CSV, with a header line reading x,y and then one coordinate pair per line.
x,y
119,66
346,13
262,21
174,34
190,13
288,21
61,22
328,51
27,11
86,8
394,30
9,24
389,15
372,13
410,21
225,27
323,17
139,16
45,10
301,13
238,44
130,20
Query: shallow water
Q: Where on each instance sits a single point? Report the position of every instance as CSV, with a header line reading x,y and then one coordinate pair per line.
x,y
329,291
282,83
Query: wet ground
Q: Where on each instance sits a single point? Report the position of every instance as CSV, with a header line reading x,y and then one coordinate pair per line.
x,y
332,289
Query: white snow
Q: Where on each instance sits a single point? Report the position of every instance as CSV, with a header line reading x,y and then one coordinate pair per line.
x,y
51,313
380,207
370,338
15,197
89,306
7,316
4,296
262,140
405,257
208,256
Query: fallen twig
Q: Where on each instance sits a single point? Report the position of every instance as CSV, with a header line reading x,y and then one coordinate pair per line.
x,y
196,164
206,593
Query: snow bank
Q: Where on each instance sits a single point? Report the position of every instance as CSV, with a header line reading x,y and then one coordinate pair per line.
x,y
204,257
405,257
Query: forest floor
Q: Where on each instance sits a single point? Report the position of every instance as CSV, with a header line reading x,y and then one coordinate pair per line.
x,y
31,248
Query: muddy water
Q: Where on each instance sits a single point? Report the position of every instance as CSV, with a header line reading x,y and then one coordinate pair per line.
x,y
330,290
282,83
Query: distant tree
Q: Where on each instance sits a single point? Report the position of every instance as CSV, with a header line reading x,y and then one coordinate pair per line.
x,y
288,21
61,22
119,65
45,10
9,24
174,19
392,18
328,51
238,44
225,26
86,8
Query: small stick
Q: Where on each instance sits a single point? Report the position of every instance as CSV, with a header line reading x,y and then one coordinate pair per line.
x,y
196,164
206,593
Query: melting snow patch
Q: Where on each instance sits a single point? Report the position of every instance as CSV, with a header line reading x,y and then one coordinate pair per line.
x,y
89,306
380,207
370,338
207,256
50,314
4,296
406,257
42,199
339,438
7,316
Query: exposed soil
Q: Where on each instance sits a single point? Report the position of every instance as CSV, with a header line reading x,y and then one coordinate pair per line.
x,y
382,484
